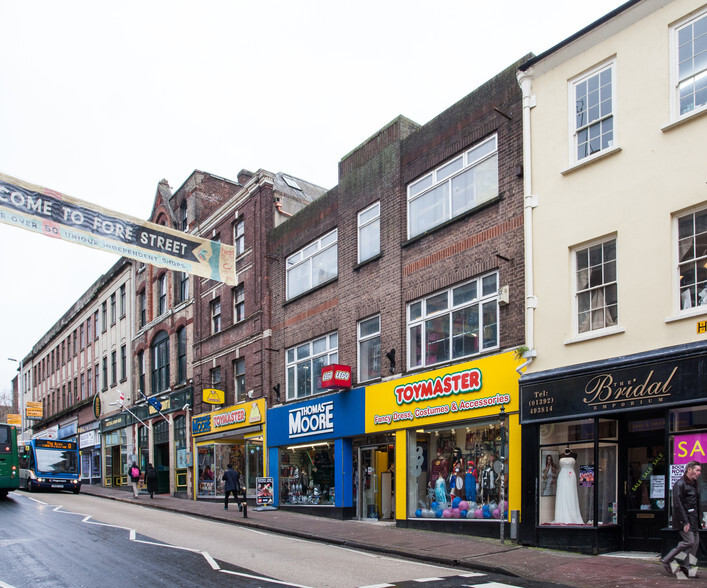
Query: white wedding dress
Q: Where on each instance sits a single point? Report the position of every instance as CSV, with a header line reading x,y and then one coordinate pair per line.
x,y
567,503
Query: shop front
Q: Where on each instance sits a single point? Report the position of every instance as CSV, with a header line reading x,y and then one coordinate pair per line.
x,y
604,443
311,450
117,435
90,450
232,435
457,445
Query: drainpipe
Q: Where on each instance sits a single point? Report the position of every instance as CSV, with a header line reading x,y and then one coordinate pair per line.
x,y
525,80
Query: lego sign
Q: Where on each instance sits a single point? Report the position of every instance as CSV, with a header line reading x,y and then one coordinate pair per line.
x,y
336,376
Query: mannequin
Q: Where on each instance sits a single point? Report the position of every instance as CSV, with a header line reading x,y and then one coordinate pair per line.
x,y
567,503
456,481
440,468
470,481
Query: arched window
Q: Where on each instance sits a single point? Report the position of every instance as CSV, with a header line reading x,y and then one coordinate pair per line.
x,y
160,362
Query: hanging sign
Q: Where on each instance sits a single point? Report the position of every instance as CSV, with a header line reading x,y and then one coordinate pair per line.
x,y
213,396
336,376
57,215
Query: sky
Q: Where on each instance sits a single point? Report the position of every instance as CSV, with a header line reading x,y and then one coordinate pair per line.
x,y
100,101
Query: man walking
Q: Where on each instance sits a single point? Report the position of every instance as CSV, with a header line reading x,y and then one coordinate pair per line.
x,y
233,484
687,519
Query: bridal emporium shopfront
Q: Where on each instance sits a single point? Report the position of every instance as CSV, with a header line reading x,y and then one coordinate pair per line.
x,y
604,443
457,444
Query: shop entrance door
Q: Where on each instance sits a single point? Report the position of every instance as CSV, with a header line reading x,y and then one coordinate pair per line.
x,y
374,483
645,484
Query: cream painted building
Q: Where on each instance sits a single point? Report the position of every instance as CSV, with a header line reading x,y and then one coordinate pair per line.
x,y
615,170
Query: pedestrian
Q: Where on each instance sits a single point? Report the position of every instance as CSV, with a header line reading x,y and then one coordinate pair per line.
x,y
687,519
134,477
233,485
151,480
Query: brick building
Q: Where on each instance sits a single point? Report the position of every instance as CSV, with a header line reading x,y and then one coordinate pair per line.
x,y
409,271
232,348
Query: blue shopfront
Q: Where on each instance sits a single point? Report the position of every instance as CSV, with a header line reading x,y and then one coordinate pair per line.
x,y
311,453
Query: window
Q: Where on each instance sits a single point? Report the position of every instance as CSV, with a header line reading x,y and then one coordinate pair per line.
x,y
454,323
238,303
313,265
215,377
95,324
215,316
160,362
162,293
597,289
143,309
113,309
83,387
692,259
96,376
369,349
141,371
689,65
104,312
593,111
453,188
305,363
122,301
239,379
104,380
83,337
183,286
113,368
89,382
239,236
369,233
183,215
123,363
181,354
76,342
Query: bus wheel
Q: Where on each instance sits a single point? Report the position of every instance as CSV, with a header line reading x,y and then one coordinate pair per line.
x,y
28,486
76,490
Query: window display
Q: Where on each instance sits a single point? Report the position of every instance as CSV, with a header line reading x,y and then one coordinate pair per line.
x,y
213,459
307,475
456,472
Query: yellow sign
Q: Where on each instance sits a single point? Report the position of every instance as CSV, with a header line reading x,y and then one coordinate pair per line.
x,y
213,396
34,409
462,391
232,417
14,419
59,216
701,327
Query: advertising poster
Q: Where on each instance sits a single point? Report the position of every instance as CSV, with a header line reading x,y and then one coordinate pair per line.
x,y
586,476
264,491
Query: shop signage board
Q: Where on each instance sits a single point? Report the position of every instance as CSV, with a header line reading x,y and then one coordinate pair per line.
x,y
232,417
613,389
336,376
213,396
53,214
34,410
461,391
327,416
14,419
690,447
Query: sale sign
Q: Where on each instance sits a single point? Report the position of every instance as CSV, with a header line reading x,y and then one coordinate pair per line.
x,y
690,447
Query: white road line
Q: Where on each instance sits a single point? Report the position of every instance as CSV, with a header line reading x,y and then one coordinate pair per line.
x,y
378,586
3,585
424,580
263,579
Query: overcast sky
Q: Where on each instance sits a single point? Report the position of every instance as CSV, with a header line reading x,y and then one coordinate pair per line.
x,y
102,100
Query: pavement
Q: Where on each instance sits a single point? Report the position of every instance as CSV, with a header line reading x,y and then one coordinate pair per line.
x,y
550,567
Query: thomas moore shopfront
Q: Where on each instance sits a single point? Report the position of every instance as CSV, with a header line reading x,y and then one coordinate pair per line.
x,y
457,444
622,431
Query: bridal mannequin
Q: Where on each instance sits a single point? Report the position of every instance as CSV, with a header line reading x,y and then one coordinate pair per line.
x,y
567,503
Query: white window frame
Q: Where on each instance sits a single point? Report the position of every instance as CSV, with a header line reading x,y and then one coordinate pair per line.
x,y
421,311
215,312
445,174
369,219
698,261
305,260
606,328
676,80
239,236
239,379
317,352
364,339
239,303
572,110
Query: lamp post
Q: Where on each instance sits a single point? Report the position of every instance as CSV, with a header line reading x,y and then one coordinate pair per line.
x,y
22,398
502,457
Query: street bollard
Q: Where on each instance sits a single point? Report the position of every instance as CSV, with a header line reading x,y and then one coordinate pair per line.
x,y
245,510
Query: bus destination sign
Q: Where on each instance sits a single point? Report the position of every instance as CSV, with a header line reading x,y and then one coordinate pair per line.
x,y
53,444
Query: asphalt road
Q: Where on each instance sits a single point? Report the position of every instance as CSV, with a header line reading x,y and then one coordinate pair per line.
x,y
59,540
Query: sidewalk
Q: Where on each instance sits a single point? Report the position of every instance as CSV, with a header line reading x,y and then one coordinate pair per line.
x,y
461,551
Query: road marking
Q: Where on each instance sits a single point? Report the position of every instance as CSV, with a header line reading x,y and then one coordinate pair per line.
x,y
423,580
263,579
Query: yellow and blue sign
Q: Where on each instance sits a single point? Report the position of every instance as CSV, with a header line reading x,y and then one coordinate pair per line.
x,y
229,418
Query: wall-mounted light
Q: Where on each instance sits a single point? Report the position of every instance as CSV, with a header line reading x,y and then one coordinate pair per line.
x,y
276,389
391,358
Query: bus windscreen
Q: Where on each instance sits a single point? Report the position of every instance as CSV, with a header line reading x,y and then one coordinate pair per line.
x,y
52,461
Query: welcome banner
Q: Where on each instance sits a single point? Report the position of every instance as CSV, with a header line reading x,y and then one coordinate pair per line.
x,y
59,216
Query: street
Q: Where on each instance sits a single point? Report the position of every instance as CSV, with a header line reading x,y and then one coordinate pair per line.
x,y
60,539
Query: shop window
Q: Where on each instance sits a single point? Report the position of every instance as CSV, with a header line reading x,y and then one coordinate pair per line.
x,y
180,440
143,447
307,474
213,460
688,441
456,472
688,419
569,478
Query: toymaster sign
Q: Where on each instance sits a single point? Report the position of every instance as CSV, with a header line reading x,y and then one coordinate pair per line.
x,y
462,391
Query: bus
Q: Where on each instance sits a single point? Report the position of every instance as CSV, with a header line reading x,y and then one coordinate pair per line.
x,y
48,464
9,462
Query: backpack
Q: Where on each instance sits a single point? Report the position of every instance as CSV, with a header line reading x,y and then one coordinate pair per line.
x,y
135,473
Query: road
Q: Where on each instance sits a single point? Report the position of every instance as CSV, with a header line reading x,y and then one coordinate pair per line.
x,y
58,540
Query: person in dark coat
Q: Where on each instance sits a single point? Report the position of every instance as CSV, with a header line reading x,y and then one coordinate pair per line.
x,y
233,485
151,480
687,519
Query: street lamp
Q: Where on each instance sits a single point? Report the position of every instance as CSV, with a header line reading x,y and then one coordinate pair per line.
x,y
502,508
22,398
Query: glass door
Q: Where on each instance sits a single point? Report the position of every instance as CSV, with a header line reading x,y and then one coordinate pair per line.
x,y
645,487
